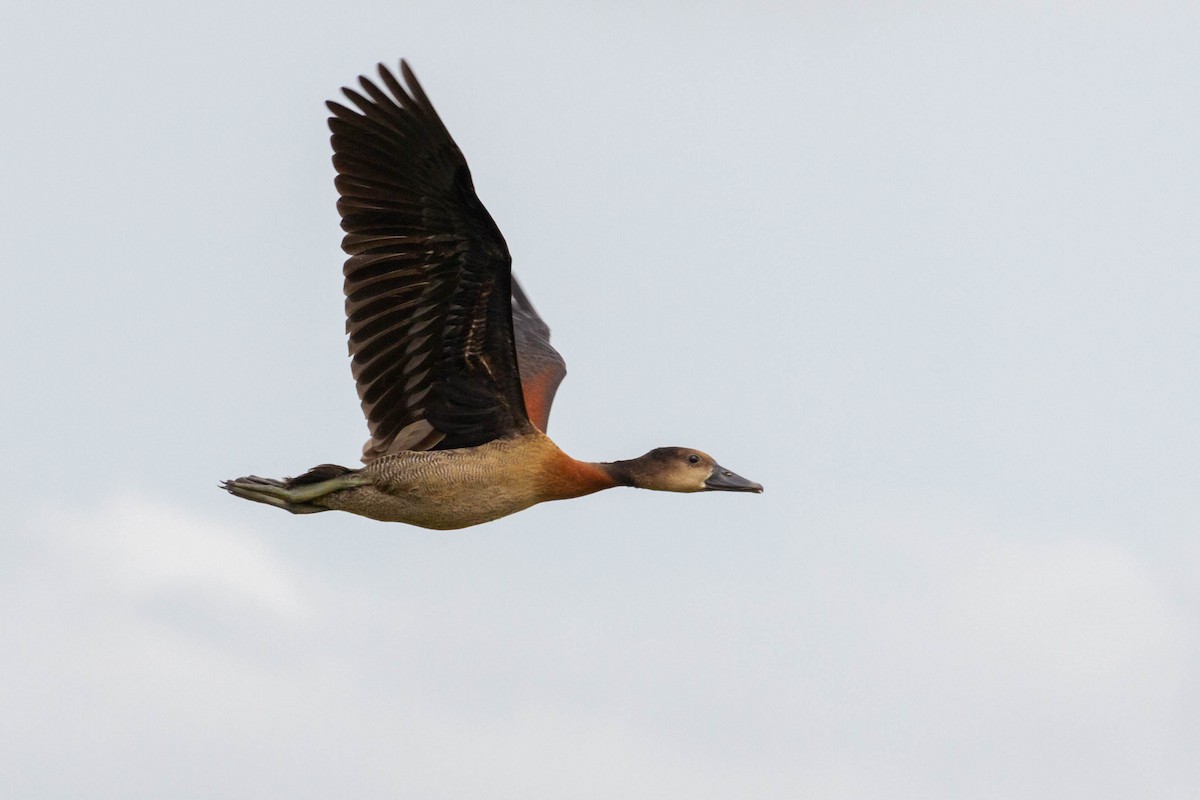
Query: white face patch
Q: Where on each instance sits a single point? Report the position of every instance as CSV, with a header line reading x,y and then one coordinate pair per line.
x,y
685,476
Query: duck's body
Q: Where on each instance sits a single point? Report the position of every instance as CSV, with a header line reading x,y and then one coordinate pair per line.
x,y
453,365
446,489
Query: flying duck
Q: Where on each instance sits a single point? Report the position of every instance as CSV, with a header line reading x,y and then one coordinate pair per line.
x,y
454,366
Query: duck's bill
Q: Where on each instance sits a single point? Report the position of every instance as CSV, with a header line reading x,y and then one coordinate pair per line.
x,y
724,480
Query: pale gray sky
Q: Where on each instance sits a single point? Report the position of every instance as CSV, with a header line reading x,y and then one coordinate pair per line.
x,y
927,274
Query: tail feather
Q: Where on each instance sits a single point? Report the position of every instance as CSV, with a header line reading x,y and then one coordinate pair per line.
x,y
322,472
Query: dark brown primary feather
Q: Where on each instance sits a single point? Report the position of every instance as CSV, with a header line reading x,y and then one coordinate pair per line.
x,y
428,279
542,368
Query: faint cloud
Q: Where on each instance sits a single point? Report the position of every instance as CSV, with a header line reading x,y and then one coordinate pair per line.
x,y
144,550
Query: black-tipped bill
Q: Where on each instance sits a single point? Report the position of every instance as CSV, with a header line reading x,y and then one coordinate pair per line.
x,y
724,480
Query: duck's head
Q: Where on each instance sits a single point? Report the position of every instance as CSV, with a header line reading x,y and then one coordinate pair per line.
x,y
681,469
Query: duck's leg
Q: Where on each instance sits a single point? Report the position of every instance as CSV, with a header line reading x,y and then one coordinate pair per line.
x,y
269,491
295,494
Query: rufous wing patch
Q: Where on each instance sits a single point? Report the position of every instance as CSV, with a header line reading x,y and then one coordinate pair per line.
x,y
539,390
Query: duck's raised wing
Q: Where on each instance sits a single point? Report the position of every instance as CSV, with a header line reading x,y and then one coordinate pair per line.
x,y
542,368
428,279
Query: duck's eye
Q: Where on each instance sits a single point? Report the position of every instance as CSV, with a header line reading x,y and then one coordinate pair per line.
x,y
693,459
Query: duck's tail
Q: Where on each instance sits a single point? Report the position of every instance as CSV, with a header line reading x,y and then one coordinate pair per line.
x,y
297,495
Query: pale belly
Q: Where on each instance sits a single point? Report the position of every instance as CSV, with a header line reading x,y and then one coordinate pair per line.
x,y
437,510
443,490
